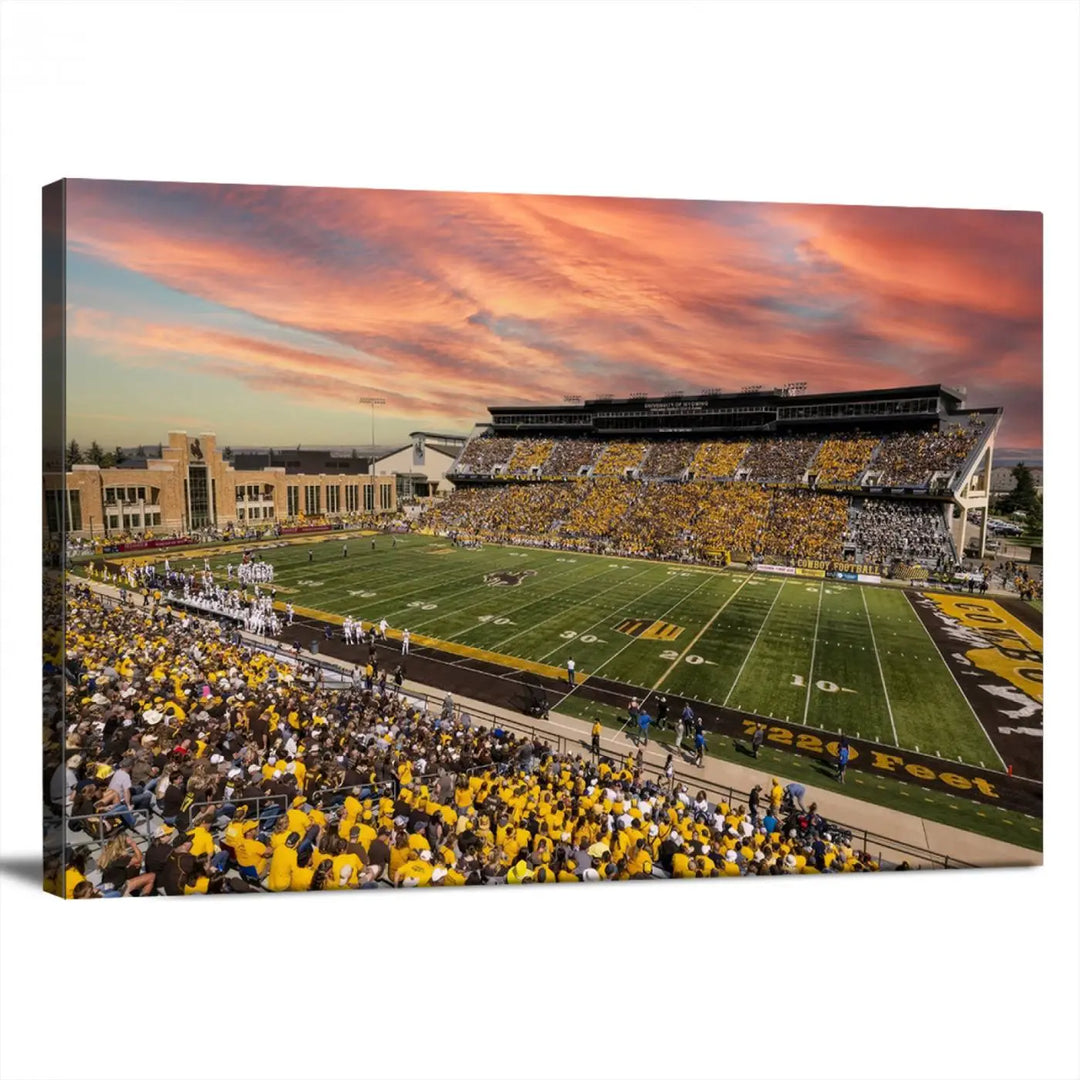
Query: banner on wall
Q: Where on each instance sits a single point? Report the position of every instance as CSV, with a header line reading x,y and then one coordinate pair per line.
x,y
869,579
802,571
147,545
767,568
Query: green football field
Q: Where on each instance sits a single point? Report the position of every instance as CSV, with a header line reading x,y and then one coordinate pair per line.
x,y
837,656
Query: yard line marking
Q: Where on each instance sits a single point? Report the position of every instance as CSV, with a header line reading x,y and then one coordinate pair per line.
x,y
619,652
888,704
738,674
489,591
608,615
813,651
945,664
715,615
586,600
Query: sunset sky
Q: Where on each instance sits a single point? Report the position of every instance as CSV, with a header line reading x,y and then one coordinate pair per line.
x,y
263,314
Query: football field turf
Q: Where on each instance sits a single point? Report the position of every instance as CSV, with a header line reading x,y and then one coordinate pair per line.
x,y
830,654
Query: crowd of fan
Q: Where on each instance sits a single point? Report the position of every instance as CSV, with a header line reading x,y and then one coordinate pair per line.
x,y
254,778
718,460
841,460
569,457
617,457
911,459
528,454
803,526
780,460
481,455
894,460
690,521
602,505
730,517
911,532
667,459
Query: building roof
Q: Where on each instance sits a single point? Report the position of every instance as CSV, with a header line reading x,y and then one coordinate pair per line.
x,y
438,436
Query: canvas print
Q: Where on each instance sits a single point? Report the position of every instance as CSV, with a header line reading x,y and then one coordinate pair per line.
x,y
405,539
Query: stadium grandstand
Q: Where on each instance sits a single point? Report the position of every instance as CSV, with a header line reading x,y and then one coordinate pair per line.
x,y
194,759
885,478
204,746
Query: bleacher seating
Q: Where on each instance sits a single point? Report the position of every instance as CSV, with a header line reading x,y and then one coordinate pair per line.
x,y
781,460
667,459
275,782
718,460
528,454
481,455
841,460
569,457
617,457
909,460
635,496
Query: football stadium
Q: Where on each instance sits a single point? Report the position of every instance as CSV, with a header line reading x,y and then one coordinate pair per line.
x,y
739,633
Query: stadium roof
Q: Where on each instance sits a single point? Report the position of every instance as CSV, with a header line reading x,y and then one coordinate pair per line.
x,y
956,394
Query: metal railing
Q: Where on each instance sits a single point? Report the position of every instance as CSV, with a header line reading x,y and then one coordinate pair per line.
x,y
106,819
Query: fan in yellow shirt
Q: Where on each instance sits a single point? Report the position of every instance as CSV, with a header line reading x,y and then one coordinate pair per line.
x,y
283,863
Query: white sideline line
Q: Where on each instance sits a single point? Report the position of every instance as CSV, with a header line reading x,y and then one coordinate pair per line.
x,y
813,653
742,666
678,660
945,663
888,704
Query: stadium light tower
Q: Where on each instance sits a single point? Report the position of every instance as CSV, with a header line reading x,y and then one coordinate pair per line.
x,y
372,401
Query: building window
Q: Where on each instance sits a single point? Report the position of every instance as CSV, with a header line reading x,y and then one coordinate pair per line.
x,y
268,511
333,499
52,510
384,497
142,494
352,498
199,495
239,513
369,497
312,502
114,521
75,512
292,498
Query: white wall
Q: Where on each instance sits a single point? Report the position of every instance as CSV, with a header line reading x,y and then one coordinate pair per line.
x,y
435,464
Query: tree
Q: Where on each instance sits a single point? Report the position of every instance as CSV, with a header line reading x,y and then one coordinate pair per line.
x,y
227,453
118,454
95,455
108,460
1023,495
73,455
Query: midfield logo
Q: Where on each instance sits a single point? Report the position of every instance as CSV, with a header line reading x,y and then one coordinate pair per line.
x,y
507,577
